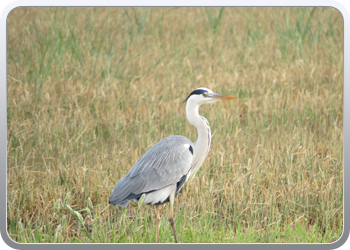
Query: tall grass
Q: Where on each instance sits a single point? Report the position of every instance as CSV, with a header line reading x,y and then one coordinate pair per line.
x,y
89,90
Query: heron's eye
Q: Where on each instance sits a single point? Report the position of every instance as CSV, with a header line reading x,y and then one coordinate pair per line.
x,y
204,94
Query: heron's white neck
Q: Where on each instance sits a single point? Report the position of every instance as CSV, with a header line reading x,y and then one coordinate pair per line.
x,y
202,145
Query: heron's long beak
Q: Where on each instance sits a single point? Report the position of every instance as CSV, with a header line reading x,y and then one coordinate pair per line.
x,y
223,97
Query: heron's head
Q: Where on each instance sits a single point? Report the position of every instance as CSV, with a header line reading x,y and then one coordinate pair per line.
x,y
206,96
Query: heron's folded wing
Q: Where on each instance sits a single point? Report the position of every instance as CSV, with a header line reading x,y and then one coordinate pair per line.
x,y
162,165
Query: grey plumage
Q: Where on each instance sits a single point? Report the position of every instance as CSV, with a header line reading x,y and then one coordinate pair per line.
x,y
162,165
162,171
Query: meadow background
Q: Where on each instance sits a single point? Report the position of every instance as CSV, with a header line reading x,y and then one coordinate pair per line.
x,y
89,90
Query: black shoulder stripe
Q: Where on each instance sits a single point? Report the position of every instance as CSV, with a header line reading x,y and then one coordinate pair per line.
x,y
191,149
180,183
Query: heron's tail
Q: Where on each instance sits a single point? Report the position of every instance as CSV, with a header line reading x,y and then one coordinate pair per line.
x,y
121,203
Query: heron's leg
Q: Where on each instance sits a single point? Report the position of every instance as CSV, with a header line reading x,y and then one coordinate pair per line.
x,y
157,221
171,217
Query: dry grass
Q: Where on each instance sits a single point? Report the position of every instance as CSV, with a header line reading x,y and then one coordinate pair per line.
x,y
91,89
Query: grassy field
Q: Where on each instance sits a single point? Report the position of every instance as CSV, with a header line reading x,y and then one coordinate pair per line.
x,y
89,90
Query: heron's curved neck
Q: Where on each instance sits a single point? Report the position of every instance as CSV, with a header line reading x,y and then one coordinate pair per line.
x,y
202,145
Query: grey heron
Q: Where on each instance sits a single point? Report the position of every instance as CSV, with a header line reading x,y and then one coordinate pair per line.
x,y
162,171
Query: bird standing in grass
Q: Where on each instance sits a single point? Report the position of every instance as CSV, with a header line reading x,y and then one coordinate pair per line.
x,y
161,172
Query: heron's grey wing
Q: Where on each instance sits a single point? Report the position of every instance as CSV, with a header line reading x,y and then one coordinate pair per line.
x,y
162,165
